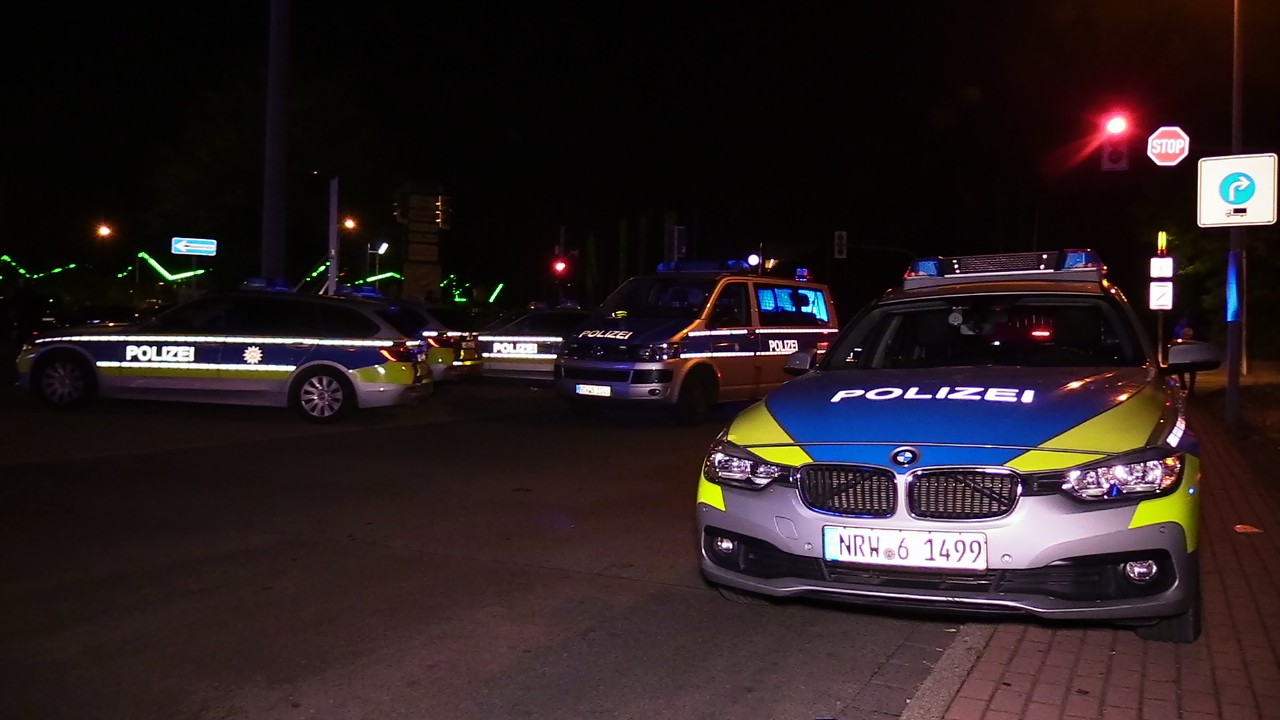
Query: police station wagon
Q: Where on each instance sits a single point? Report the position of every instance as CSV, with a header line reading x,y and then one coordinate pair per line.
x,y
996,436
692,335
322,356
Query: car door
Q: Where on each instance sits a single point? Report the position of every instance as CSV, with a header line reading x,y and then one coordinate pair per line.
x,y
792,317
174,354
267,338
733,341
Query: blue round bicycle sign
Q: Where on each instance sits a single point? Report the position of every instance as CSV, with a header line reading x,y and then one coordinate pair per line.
x,y
1237,188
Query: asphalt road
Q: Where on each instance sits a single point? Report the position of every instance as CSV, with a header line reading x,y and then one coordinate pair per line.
x,y
484,555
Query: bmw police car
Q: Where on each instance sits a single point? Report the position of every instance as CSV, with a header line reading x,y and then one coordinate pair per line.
x,y
692,335
996,437
322,356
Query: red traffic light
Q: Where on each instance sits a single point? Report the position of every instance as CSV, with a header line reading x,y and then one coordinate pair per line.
x,y
1116,124
559,266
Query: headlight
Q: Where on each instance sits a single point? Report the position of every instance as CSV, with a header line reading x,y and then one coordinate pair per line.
x,y
656,352
1149,472
729,464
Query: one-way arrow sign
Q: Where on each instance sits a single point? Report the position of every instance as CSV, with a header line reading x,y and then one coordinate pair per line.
x,y
194,246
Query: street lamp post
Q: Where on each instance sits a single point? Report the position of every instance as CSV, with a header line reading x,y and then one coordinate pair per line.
x,y
1236,251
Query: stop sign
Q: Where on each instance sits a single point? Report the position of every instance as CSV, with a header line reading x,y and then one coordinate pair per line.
x,y
1168,145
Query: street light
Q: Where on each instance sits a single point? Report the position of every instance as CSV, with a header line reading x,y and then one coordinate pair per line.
x,y
349,223
104,230
377,253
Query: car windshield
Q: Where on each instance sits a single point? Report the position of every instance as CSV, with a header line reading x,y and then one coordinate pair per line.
x,y
673,296
1003,330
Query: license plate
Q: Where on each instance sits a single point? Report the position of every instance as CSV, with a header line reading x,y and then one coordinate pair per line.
x,y
905,548
594,390
468,344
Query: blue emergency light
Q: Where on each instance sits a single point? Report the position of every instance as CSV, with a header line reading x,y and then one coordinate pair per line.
x,y
1073,264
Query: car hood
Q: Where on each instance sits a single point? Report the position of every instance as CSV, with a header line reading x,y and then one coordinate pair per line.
x,y
989,415
628,331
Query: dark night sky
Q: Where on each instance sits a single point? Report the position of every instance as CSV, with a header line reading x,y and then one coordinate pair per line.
x,y
926,126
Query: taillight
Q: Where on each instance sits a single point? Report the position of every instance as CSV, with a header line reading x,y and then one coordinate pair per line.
x,y
441,341
399,353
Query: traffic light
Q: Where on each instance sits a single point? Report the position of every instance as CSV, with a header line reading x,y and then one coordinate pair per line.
x,y
1115,154
1115,142
560,267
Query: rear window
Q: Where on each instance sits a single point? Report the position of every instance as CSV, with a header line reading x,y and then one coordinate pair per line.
x,y
403,320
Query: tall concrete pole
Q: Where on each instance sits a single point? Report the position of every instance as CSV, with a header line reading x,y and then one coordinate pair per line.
x,y
273,173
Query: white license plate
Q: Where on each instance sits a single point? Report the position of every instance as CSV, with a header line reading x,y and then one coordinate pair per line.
x,y
905,548
468,344
594,390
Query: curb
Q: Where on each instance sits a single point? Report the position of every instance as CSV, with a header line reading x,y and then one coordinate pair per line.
x,y
935,694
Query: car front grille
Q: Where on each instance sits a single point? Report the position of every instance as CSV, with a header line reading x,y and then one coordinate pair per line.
x,y
595,374
962,494
596,351
848,490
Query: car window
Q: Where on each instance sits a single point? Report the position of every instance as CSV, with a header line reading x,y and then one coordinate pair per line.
x,y
1028,331
731,308
341,322
271,316
406,320
788,305
204,315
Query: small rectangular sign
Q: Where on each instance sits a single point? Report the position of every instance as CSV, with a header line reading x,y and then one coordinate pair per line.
x,y
1162,266
1161,295
194,246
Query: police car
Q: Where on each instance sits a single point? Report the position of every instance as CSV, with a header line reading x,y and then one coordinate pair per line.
x,y
692,335
996,436
322,356
526,347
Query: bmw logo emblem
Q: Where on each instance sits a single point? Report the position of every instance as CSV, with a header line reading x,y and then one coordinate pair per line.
x,y
905,456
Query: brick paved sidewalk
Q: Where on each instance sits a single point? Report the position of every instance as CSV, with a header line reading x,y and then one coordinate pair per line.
x,y
1033,671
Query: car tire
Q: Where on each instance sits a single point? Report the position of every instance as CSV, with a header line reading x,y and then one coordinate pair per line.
x,y
742,597
1184,628
697,395
64,381
322,395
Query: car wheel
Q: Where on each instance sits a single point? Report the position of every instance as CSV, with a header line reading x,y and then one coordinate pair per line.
x,y
1184,628
64,381
742,597
322,396
697,395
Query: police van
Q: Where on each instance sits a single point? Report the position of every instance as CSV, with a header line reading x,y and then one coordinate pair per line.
x,y
995,436
322,356
694,334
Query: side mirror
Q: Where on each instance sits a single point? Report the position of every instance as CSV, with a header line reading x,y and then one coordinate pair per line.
x,y
1193,356
798,363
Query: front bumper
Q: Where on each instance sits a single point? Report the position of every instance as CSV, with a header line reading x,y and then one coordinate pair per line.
x,y
1051,557
648,382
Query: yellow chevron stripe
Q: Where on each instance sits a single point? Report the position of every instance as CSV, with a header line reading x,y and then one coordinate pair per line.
x,y
1123,427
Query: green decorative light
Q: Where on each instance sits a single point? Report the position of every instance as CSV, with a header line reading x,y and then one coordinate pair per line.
x,y
165,273
496,291
323,266
383,276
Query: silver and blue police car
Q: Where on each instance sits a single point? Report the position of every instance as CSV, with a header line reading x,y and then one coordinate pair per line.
x,y
997,436
322,356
